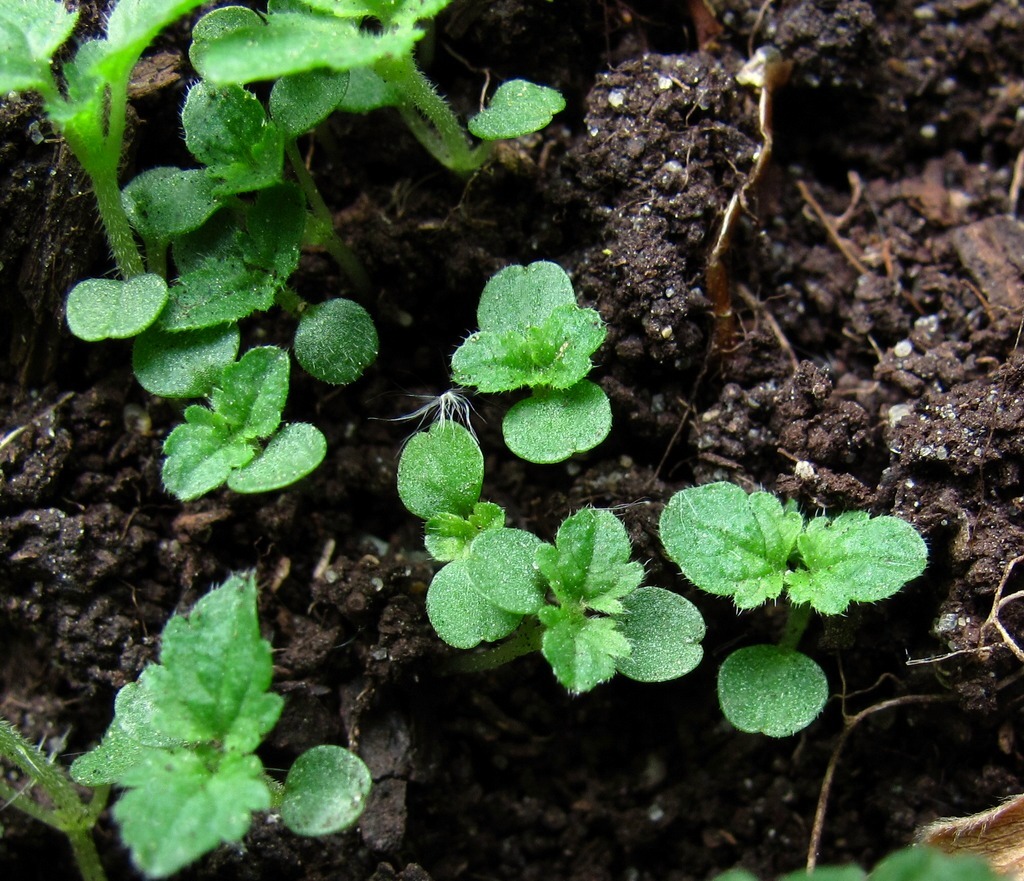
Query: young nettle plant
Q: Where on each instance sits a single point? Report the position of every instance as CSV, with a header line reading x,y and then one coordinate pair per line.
x,y
534,335
578,601
752,548
365,49
183,739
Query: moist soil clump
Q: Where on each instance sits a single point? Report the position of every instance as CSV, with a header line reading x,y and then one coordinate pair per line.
x,y
877,274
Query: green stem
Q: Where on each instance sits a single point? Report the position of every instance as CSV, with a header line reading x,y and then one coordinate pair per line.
x,y
325,235
429,117
115,221
69,813
796,624
523,642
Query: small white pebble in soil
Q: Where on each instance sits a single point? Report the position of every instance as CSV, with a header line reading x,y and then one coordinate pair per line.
x,y
899,412
616,98
664,83
903,349
804,470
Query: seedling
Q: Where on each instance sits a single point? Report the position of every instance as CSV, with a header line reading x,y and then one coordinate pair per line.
x,y
753,549
578,601
326,41
183,739
534,335
908,864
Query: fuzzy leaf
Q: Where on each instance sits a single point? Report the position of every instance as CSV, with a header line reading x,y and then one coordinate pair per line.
x,y
928,864
276,223
211,685
553,426
31,31
178,809
252,392
766,689
200,456
164,203
336,341
523,296
460,615
500,568
325,791
107,308
449,536
730,543
292,453
227,130
664,631
518,108
441,471
855,558
582,651
589,562
183,365
301,101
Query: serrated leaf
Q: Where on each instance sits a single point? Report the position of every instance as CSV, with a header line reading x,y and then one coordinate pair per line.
x,y
441,471
767,689
295,451
855,558
252,392
664,631
227,129
177,809
183,365
583,651
450,537
31,31
555,425
501,569
325,791
211,685
108,308
517,108
199,458
164,203
730,543
460,615
336,341
301,101
589,562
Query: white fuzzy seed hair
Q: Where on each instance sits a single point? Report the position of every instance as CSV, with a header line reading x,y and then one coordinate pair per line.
x,y
450,406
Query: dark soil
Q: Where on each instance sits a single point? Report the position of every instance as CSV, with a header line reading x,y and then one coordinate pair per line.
x,y
879,279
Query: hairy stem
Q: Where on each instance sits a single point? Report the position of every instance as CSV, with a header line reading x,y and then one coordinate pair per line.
x,y
430,118
523,642
325,235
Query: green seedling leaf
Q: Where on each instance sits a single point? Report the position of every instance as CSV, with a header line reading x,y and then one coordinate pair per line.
x,y
336,341
518,108
325,791
227,129
501,568
107,308
295,451
275,224
770,690
855,558
164,203
664,631
367,91
589,562
252,392
200,456
211,685
523,296
553,426
582,651
301,101
730,543
289,43
928,864
449,536
178,809
31,31
554,353
183,365
441,471
462,616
